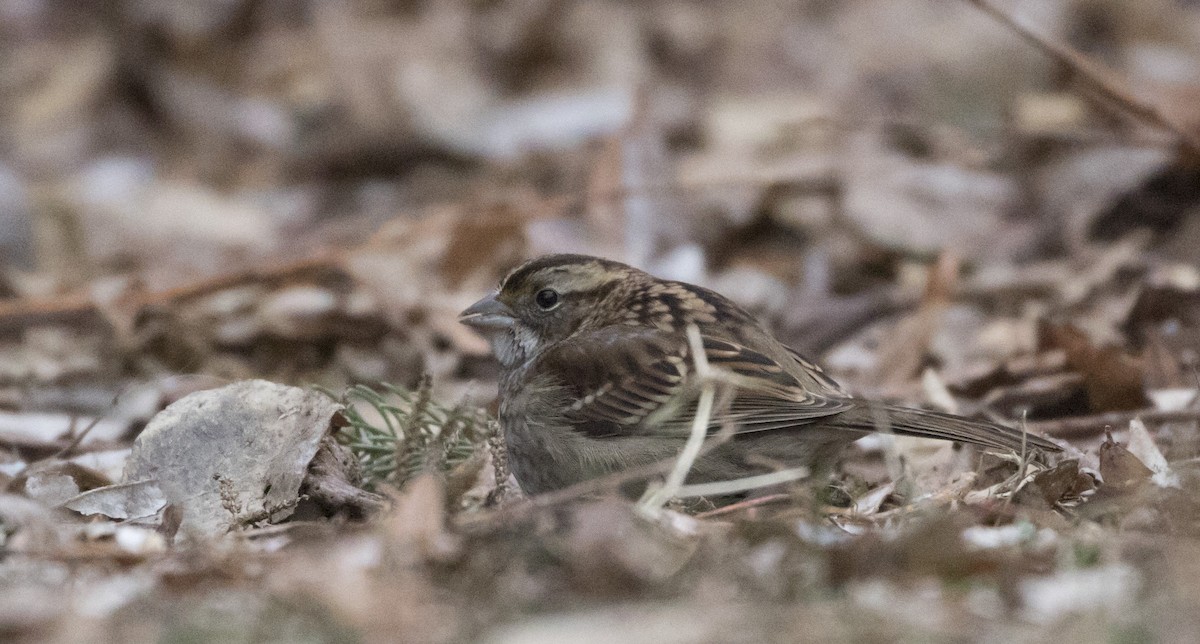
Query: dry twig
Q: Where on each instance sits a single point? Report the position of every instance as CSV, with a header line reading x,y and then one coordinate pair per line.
x,y
1096,76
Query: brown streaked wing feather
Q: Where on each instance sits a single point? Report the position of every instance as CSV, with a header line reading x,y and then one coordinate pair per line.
x,y
621,381
815,373
615,378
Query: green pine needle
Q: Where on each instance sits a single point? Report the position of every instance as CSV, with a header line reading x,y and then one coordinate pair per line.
x,y
397,433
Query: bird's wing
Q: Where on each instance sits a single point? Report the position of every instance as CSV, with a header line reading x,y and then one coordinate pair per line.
x,y
623,381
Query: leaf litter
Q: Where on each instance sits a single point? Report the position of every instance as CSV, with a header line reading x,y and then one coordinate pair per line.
x,y
234,205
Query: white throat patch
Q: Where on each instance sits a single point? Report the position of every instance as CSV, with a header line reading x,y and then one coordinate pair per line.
x,y
514,345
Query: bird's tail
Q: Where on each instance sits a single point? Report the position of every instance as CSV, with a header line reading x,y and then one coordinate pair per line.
x,y
903,421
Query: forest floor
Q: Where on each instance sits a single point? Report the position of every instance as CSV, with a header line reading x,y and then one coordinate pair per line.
x,y
236,404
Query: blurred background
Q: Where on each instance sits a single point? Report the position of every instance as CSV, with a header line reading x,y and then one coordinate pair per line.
x,y
941,209
311,191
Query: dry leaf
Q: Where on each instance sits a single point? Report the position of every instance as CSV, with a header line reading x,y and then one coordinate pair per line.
x,y
1114,379
232,455
1141,445
1121,470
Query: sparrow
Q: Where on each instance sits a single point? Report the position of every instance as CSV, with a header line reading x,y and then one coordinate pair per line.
x,y
598,376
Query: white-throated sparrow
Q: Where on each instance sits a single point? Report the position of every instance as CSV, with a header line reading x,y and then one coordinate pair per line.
x,y
597,377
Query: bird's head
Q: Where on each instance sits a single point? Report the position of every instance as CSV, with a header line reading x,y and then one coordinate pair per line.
x,y
546,300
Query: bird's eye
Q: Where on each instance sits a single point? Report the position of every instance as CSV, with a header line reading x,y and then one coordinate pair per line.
x,y
546,299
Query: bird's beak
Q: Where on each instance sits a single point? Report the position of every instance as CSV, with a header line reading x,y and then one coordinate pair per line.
x,y
487,314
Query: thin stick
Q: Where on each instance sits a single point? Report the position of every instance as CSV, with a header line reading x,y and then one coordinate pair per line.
x,y
743,505
655,499
1095,75
721,488
1024,461
78,438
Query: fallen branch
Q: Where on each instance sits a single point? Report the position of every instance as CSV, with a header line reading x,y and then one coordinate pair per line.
x,y
81,310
